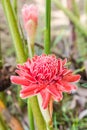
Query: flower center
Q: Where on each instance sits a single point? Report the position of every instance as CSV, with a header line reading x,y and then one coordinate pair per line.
x,y
45,68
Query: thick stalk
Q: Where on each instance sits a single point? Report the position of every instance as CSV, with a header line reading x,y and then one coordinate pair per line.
x,y
16,37
40,123
14,31
47,27
37,114
30,115
72,17
15,6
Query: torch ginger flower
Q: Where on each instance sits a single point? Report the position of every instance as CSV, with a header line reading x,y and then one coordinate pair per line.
x,y
45,75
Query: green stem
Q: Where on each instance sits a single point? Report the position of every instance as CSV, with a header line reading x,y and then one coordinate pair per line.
x,y
30,115
73,18
47,31
30,47
15,6
14,31
37,114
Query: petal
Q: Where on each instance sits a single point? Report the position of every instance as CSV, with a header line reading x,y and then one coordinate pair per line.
x,y
54,92
26,75
59,87
40,87
71,78
27,94
43,93
31,87
34,58
19,72
68,87
66,71
46,99
23,68
20,66
59,98
19,80
30,78
28,63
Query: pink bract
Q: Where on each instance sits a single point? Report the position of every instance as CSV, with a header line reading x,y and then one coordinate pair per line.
x,y
29,12
46,75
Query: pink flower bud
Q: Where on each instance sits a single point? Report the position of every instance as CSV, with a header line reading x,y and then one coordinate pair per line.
x,y
30,18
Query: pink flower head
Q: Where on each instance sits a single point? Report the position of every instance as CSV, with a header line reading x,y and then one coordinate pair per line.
x,y
46,75
30,16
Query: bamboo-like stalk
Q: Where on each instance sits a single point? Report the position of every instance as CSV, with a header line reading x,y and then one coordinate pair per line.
x,y
30,115
72,17
15,6
47,27
18,44
37,114
16,37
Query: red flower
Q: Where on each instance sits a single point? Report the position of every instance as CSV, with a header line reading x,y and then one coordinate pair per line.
x,y
46,75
